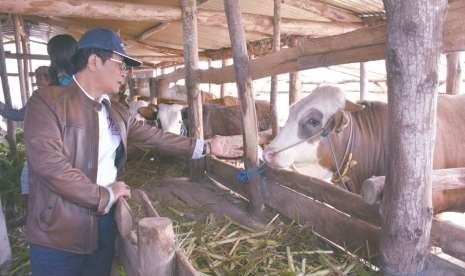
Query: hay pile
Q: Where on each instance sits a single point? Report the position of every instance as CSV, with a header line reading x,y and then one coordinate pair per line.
x,y
220,246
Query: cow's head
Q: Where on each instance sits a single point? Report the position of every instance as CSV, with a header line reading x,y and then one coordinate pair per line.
x,y
322,110
170,118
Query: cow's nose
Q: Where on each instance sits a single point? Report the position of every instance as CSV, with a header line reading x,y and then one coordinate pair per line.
x,y
268,155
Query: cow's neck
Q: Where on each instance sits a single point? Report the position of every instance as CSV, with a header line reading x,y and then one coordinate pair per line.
x,y
368,149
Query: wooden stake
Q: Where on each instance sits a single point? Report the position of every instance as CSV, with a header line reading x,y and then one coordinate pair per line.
x,y
274,78
11,129
156,247
363,81
454,73
249,118
295,85
26,62
191,61
412,68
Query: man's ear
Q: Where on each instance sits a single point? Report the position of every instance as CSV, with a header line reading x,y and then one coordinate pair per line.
x,y
93,62
340,120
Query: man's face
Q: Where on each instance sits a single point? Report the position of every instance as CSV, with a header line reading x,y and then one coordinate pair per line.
x,y
113,73
42,77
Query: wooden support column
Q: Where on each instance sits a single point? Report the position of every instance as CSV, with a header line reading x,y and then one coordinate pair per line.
x,y
26,61
274,78
22,81
11,130
295,85
191,65
209,67
249,115
363,81
454,73
222,87
156,247
414,43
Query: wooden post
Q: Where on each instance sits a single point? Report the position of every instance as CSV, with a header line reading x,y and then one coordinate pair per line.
x,y
191,65
363,81
209,67
26,61
156,247
295,85
222,87
454,73
22,81
414,42
5,253
274,78
11,130
249,115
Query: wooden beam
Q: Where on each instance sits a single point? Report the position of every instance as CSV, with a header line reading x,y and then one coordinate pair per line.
x,y
191,65
249,115
26,56
274,78
454,73
411,60
324,10
97,9
151,31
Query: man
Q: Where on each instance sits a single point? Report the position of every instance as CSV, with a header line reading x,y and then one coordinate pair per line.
x,y
75,148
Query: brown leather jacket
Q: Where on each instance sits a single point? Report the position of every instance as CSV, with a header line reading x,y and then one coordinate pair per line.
x,y
61,134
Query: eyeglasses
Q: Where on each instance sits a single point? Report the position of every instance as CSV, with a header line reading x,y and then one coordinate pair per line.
x,y
122,65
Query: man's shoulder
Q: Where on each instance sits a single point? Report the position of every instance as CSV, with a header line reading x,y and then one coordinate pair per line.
x,y
53,93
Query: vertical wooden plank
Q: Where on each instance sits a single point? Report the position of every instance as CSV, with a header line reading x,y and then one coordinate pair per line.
x,y
454,73
191,65
295,86
249,115
222,87
363,81
274,78
11,129
413,47
156,247
22,82
5,252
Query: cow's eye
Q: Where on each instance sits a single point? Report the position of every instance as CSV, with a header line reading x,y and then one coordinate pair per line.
x,y
314,122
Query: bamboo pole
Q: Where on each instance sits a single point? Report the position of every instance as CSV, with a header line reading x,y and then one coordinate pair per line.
x,y
249,115
191,61
274,78
11,130
26,62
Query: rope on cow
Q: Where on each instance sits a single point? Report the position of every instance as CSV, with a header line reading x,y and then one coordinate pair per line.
x,y
243,175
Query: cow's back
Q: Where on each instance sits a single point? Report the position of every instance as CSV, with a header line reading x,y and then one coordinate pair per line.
x,y
450,132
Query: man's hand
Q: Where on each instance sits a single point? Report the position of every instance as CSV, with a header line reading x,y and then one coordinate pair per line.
x,y
120,189
223,146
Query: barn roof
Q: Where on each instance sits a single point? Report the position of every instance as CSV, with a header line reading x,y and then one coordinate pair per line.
x,y
152,29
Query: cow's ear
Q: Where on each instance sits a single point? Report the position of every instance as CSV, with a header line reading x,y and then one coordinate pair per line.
x,y
341,120
353,107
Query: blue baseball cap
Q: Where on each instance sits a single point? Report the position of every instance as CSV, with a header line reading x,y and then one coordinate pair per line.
x,y
106,39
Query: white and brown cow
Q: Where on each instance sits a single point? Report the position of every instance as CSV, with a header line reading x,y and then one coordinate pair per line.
x,y
327,107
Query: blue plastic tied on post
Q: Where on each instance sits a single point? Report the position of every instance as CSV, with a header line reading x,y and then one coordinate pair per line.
x,y
243,176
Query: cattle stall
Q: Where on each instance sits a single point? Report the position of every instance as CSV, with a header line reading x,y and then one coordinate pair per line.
x,y
364,227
